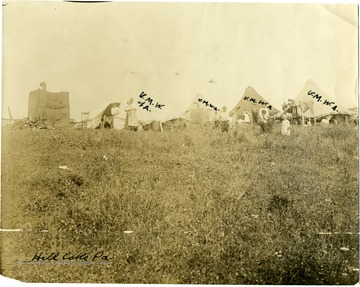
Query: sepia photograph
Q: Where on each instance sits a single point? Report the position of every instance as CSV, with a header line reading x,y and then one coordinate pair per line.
x,y
179,143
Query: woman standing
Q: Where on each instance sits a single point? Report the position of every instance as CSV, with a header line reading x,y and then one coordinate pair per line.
x,y
131,117
115,111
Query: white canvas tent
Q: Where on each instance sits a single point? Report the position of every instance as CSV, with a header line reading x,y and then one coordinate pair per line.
x,y
201,110
96,115
152,106
321,103
252,100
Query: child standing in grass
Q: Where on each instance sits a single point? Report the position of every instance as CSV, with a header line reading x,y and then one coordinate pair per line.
x,y
285,126
224,119
246,117
216,119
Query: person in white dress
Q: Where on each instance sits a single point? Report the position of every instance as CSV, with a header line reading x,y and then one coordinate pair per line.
x,y
285,127
132,121
115,110
234,121
246,117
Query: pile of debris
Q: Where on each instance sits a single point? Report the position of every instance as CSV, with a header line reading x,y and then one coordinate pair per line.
x,y
33,123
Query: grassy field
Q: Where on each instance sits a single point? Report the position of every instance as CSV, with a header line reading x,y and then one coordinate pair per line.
x,y
197,206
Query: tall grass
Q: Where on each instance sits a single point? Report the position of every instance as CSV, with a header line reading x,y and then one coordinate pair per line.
x,y
204,207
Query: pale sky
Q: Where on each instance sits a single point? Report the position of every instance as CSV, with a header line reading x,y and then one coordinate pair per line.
x,y
174,51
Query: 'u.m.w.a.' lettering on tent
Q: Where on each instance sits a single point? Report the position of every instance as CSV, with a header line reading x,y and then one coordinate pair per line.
x,y
259,102
325,102
146,102
206,103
